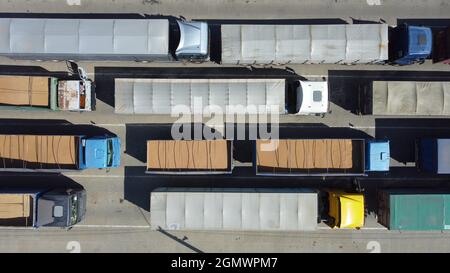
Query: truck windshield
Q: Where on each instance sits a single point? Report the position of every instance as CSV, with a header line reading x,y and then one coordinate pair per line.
x,y
109,153
73,209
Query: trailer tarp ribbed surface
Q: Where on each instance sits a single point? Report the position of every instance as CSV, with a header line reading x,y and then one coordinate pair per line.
x,y
84,38
234,209
410,98
359,43
160,96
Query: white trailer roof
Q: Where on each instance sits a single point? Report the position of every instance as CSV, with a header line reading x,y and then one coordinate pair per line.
x,y
160,96
410,98
234,209
84,37
359,43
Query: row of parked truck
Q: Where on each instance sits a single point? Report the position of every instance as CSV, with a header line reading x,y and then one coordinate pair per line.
x,y
161,96
294,209
164,40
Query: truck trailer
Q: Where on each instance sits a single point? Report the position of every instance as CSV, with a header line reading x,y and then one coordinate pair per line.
x,y
403,98
36,92
182,157
42,208
101,39
238,209
58,152
414,209
254,209
283,44
432,155
320,157
240,96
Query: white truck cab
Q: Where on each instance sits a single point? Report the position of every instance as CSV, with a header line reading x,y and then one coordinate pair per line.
x,y
312,98
194,40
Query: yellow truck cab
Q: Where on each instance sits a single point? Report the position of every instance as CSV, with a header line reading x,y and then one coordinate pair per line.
x,y
345,210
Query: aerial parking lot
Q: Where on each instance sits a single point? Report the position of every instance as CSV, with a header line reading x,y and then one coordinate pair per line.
x,y
225,126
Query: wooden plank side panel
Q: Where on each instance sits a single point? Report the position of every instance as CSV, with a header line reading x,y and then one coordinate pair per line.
x,y
187,154
15,206
24,90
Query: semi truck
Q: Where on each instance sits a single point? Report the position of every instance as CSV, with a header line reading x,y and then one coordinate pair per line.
x,y
50,153
432,155
37,208
441,46
37,92
345,44
320,157
182,157
414,209
413,98
250,209
102,39
240,96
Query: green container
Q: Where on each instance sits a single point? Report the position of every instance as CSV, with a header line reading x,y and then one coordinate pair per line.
x,y
414,210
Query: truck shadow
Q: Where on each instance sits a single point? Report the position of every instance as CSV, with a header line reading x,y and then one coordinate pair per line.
x,y
246,134
138,186
403,132
105,76
49,127
137,135
344,84
24,180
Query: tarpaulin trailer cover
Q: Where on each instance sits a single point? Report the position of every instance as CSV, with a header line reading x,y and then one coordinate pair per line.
x,y
234,209
189,156
24,91
126,39
359,43
160,96
410,98
310,157
414,209
16,210
38,152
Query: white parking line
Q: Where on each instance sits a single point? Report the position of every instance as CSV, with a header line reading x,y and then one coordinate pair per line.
x,y
112,226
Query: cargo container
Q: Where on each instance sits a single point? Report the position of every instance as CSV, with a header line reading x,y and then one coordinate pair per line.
x,y
35,92
101,39
410,44
283,44
344,209
320,157
433,155
237,209
189,157
42,208
58,152
240,96
404,98
413,209
441,46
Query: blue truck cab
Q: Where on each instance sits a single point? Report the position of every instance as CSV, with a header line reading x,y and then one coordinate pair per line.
x,y
100,152
410,44
377,156
433,155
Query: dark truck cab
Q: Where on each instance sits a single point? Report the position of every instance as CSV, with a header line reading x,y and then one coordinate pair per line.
x,y
441,46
